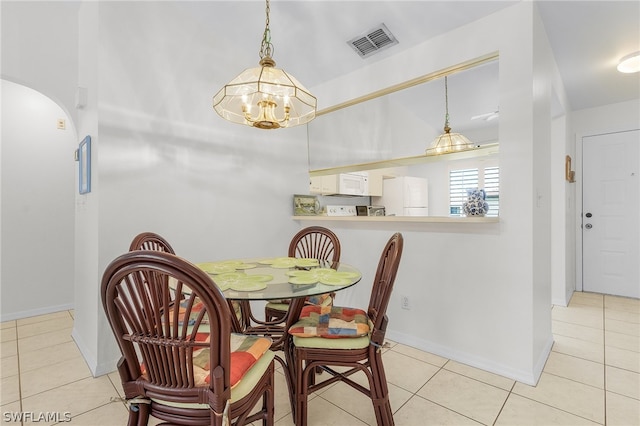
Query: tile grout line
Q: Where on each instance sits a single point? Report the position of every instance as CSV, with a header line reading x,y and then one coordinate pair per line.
x,y
511,392
578,357
415,394
604,358
576,323
20,380
505,402
575,381
19,373
557,408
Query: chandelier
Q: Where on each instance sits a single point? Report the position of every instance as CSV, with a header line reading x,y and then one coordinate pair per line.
x,y
448,142
265,97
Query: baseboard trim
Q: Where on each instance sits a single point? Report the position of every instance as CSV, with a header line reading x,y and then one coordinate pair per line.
x,y
35,312
95,368
527,377
542,360
559,302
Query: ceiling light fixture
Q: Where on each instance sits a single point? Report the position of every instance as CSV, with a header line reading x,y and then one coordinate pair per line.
x,y
448,142
280,99
630,63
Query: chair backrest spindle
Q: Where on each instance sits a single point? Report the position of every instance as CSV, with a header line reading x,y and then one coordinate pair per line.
x,y
315,242
384,281
151,241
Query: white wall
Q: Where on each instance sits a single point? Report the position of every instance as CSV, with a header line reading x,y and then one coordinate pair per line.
x,y
563,216
40,48
91,331
605,119
37,187
39,51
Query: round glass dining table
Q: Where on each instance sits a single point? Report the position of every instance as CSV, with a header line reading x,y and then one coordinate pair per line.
x,y
279,277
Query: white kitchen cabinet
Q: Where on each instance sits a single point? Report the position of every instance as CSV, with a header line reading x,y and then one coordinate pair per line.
x,y
375,183
324,185
315,184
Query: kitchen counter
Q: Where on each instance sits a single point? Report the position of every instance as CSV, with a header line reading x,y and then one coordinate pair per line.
x,y
400,219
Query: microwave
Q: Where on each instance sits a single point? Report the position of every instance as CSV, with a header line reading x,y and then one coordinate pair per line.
x,y
353,184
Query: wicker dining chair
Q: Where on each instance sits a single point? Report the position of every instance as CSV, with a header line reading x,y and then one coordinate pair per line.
x,y
327,337
151,241
314,242
180,362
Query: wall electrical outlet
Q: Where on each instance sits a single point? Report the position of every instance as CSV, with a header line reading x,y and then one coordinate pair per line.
x,y
404,302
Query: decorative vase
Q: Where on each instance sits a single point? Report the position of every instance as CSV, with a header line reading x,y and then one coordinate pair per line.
x,y
475,204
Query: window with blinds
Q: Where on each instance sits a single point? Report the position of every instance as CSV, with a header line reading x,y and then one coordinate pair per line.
x,y
492,189
463,179
459,182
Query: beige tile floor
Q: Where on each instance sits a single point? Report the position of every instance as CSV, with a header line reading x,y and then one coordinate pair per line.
x,y
591,377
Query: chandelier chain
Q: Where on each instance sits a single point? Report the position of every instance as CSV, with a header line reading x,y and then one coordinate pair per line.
x,y
266,48
446,103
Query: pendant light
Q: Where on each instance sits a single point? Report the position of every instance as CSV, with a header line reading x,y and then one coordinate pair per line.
x,y
265,97
630,63
448,142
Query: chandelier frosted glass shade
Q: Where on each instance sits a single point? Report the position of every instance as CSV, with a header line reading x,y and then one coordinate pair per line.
x,y
449,142
265,97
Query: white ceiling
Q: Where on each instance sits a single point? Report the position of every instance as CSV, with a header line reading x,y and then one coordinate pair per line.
x,y
310,37
588,39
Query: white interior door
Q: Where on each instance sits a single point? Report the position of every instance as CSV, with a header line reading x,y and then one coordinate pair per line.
x,y
611,214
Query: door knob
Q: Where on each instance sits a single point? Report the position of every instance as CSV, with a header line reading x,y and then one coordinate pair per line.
x,y
588,215
588,226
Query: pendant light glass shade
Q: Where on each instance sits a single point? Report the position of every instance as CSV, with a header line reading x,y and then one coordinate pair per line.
x,y
265,97
448,142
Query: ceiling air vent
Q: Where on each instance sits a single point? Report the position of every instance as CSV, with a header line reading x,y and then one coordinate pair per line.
x,y
373,41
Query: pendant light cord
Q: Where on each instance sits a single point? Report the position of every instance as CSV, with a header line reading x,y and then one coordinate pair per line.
x,y
447,128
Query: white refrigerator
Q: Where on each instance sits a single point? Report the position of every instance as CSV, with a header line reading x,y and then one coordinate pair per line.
x,y
404,196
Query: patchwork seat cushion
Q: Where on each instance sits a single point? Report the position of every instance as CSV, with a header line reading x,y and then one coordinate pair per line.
x,y
181,311
283,305
331,322
278,305
245,352
321,300
195,311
